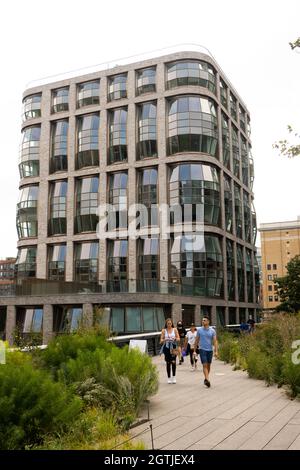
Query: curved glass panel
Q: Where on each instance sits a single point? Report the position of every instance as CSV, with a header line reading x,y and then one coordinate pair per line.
x,y
58,208
87,141
27,224
60,100
32,107
86,261
225,142
26,262
238,212
199,273
86,218
118,135
230,270
148,262
88,93
257,280
148,196
117,196
117,87
254,224
235,151
29,320
242,115
191,72
249,275
59,146
147,145
251,169
223,93
240,273
57,262
233,106
30,152
196,183
117,264
245,169
192,125
247,217
146,79
228,204
66,319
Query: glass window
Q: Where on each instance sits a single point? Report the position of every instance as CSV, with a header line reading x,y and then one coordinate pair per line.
x,y
86,218
235,151
117,87
30,152
223,93
60,100
88,93
117,319
58,204
117,135
26,262
59,146
233,106
56,262
225,142
146,79
191,72
149,319
87,140
32,106
117,265
147,145
238,211
133,319
86,261
27,223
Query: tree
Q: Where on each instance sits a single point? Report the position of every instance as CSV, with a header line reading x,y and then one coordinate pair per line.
x,y
289,287
284,146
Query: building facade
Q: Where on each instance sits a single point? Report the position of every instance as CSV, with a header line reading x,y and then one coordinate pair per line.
x,y
170,130
280,242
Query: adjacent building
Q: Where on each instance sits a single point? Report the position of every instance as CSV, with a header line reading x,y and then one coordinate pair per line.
x,y
280,242
170,130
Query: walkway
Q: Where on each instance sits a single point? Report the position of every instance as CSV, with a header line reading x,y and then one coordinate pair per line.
x,y
235,413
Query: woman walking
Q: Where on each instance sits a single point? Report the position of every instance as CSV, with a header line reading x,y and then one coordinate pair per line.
x,y
169,339
189,346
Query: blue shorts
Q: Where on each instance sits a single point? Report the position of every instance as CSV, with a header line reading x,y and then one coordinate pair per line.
x,y
206,356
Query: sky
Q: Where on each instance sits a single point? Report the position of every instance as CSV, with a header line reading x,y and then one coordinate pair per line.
x,y
249,40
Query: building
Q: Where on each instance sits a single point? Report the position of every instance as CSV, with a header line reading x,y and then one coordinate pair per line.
x,y
167,130
280,242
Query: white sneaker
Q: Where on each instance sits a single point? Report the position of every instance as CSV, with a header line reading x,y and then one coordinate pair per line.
x,y
192,369
174,380
169,380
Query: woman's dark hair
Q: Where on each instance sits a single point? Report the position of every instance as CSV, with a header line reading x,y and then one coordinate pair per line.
x,y
169,319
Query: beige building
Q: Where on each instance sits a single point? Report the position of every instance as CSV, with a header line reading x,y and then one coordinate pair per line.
x,y
171,130
280,242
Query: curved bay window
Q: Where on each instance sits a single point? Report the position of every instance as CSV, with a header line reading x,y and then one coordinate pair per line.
x,y
117,135
60,100
59,146
147,145
254,224
57,262
198,272
118,198
26,262
225,142
117,87
242,115
148,262
117,265
228,204
58,207
148,195
66,319
86,218
146,79
238,212
191,72
240,272
249,275
233,106
30,150
27,224
32,107
247,217
86,261
245,169
223,93
230,270
235,151
196,183
88,93
192,125
87,141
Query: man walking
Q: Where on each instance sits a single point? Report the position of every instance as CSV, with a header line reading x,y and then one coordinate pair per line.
x,y
207,340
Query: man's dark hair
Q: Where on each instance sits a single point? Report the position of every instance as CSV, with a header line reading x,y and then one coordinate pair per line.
x,y
205,318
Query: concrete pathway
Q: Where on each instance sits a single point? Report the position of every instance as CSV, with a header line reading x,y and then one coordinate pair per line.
x,y
235,413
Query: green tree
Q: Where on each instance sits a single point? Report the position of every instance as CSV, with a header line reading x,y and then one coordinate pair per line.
x,y
289,287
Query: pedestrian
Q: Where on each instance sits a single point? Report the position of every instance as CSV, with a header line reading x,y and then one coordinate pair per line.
x,y
170,339
207,340
251,324
182,333
189,346
244,327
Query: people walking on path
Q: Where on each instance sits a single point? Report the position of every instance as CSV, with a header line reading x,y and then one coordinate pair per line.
x,y
189,344
251,324
170,339
207,340
182,333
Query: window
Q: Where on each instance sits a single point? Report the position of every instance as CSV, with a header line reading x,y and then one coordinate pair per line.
x,y
87,140
235,151
27,224
117,135
225,142
86,218
117,265
240,272
270,298
148,261
191,72
26,262
30,151
66,319
244,155
56,262
192,125
223,93
270,277
275,298
274,267
88,93
269,267
60,100
233,106
228,203
58,206
146,80
117,87
86,261
242,115
270,288
238,211
275,276
247,217
32,107
230,270
59,146
117,196
147,145
148,196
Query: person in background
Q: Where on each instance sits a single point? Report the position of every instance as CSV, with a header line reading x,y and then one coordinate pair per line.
x,y
182,332
189,346
244,327
251,324
169,339
207,340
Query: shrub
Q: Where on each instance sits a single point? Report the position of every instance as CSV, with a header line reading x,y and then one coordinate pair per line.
x,y
31,404
291,374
